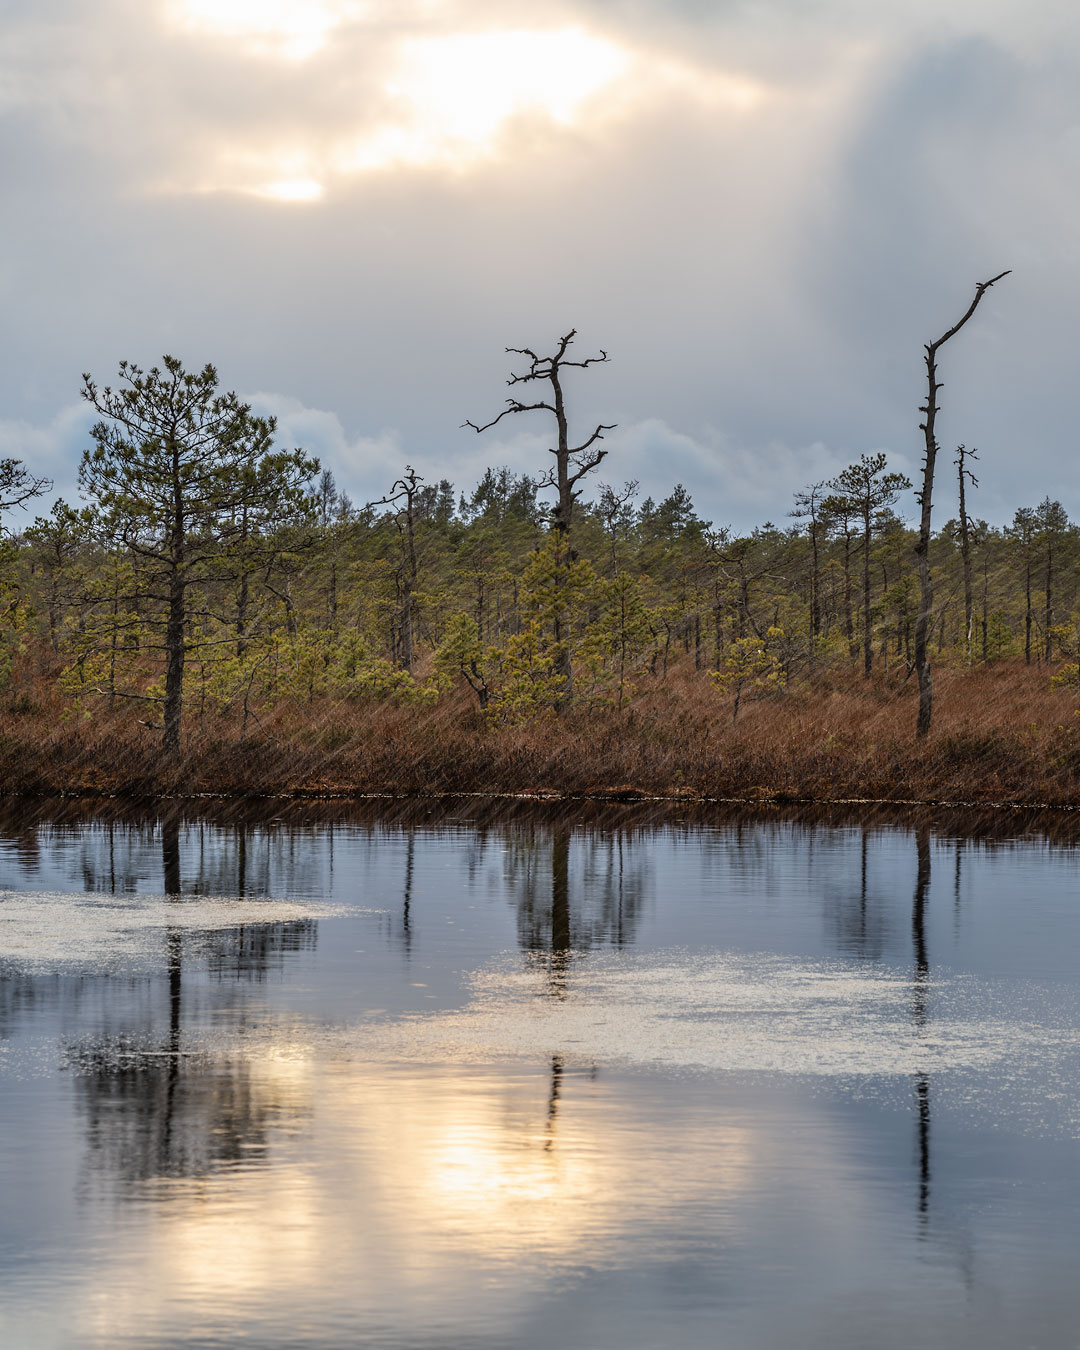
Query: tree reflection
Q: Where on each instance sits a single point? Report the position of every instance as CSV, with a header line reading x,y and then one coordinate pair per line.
x,y
252,951
920,989
573,891
170,855
959,847
561,941
22,995
154,1108
241,860
554,1098
856,912
406,903
920,993
174,947
165,1114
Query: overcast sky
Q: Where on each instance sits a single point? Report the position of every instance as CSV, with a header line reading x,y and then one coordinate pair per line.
x,y
760,210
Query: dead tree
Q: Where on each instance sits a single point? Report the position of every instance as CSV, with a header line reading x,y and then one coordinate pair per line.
x,y
925,500
965,475
572,463
402,496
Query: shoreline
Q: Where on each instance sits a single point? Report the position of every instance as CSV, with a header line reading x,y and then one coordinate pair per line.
x,y
629,797
1004,740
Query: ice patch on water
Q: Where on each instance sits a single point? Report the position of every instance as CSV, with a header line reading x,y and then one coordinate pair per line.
x,y
723,1012
60,931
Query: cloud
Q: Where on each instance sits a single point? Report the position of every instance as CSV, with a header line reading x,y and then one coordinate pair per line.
x,y
364,466
292,30
289,100
51,451
730,483
763,214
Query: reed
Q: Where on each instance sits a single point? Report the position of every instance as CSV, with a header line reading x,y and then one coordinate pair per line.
x,y
1002,734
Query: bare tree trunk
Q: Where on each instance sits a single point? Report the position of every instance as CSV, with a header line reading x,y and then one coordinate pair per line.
x,y
290,608
113,638
815,582
868,655
241,617
408,615
849,610
1049,606
243,597
54,614
407,630
926,495
985,606
561,517
174,664
965,545
174,627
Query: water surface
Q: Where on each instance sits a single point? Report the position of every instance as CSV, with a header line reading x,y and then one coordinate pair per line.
x,y
470,1078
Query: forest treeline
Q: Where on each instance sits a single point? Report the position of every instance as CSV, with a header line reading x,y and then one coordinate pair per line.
x,y
293,592
403,600
213,588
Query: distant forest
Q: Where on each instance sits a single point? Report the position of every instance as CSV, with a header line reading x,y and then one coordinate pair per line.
x,y
397,600
209,574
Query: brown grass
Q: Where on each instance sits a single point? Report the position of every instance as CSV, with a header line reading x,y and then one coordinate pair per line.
x,y
1001,734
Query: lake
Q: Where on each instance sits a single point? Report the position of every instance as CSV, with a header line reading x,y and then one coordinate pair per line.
x,y
515,1075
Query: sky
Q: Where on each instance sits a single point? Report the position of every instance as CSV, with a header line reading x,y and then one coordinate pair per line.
x,y
761,211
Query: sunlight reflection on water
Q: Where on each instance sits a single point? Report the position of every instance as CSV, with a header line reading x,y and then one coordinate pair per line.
x,y
755,1108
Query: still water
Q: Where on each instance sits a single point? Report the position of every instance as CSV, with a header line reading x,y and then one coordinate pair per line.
x,y
472,1077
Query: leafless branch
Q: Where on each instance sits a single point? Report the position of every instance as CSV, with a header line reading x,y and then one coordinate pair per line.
x,y
512,406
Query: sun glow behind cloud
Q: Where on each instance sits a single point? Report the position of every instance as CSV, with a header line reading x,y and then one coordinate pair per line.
x,y
290,29
446,102
438,100
453,95
290,190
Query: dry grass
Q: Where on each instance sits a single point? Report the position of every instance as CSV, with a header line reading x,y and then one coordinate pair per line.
x,y
1001,734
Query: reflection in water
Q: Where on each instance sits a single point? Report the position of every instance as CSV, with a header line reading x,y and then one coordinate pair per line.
x,y
163,1154
170,855
859,926
280,1174
958,853
591,893
406,904
23,995
553,1099
252,951
922,1098
155,1109
559,965
919,1010
163,1114
451,1200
